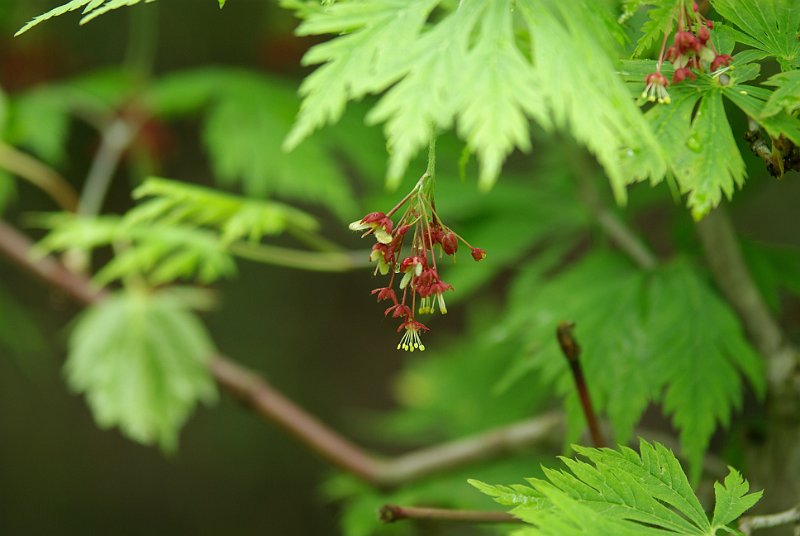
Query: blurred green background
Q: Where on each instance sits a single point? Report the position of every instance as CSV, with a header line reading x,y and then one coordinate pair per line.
x,y
316,336
319,338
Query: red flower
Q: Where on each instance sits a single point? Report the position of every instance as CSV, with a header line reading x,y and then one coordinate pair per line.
x,y
478,254
410,340
449,243
722,60
682,74
385,293
398,310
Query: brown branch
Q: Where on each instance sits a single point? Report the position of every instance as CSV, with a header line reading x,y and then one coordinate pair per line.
x,y
750,523
17,248
572,351
273,406
391,512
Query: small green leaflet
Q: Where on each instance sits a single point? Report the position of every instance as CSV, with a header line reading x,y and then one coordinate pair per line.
x,y
221,4
622,493
787,95
713,164
90,10
639,346
235,217
156,251
660,22
768,25
140,359
470,71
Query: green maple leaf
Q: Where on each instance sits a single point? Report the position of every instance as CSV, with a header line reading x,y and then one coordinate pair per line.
x,y
140,360
621,493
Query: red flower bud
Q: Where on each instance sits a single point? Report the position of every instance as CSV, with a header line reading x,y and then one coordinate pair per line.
x,y
703,34
682,74
672,53
684,41
373,217
478,254
720,61
449,243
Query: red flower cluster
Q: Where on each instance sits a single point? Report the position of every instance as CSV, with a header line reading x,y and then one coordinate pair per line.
x,y
423,289
691,48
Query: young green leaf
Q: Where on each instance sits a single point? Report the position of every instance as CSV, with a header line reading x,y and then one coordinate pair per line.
x,y
443,75
712,165
140,359
91,9
787,95
235,217
768,25
660,22
732,499
621,492
158,252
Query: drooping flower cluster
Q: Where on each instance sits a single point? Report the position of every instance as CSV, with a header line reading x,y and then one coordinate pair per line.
x,y
692,50
407,251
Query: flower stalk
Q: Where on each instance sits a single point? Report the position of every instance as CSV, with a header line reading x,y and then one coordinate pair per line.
x,y
408,247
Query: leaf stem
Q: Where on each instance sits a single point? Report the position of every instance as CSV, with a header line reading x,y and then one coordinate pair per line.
x,y
40,175
317,261
391,513
115,139
431,169
572,351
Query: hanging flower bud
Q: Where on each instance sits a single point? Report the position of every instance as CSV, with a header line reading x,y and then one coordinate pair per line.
x,y
418,231
478,254
722,60
449,243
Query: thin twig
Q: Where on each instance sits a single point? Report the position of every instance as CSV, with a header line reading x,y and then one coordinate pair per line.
x,y
318,261
750,523
115,139
40,175
17,248
572,351
275,407
391,512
